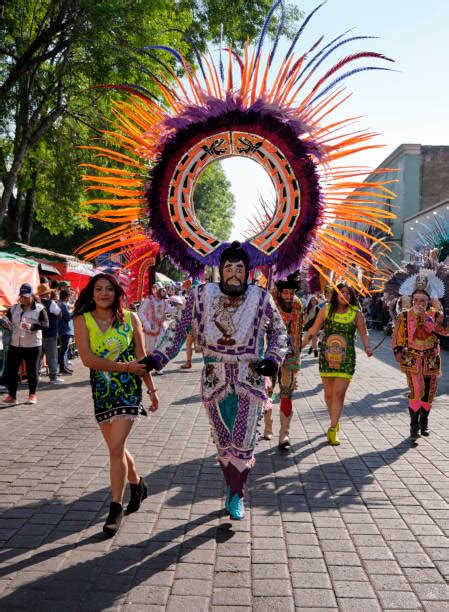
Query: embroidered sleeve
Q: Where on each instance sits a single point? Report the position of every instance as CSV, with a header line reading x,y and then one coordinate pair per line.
x,y
143,316
176,333
276,334
440,328
429,324
398,337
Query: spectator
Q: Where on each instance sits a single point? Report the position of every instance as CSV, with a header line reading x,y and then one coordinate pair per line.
x,y
25,320
6,339
65,332
310,314
50,335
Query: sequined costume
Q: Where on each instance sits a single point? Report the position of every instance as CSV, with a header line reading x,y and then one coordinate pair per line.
x,y
115,394
287,376
337,353
415,337
292,362
231,332
153,313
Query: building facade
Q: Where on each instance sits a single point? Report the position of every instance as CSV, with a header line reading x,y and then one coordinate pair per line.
x,y
421,183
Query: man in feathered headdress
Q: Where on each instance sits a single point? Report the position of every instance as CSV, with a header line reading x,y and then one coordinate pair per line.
x,y
231,321
291,311
416,345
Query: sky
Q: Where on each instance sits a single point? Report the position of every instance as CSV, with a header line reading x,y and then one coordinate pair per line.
x,y
408,106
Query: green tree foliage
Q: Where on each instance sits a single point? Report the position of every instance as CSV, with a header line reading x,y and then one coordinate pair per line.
x,y
214,202
52,53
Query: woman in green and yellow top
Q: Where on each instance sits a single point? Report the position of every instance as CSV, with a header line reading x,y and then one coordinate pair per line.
x,y
110,341
340,318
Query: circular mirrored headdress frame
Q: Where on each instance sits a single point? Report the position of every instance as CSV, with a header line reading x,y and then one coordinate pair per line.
x,y
249,134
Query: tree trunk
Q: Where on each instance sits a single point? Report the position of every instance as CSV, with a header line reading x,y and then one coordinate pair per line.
x,y
28,210
11,178
13,219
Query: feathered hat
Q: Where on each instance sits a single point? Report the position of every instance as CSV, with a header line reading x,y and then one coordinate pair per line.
x,y
291,282
279,115
425,280
432,278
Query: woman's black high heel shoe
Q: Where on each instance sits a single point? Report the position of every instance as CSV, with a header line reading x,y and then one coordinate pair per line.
x,y
139,492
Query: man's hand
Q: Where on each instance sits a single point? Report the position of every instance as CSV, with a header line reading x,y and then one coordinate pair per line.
x,y
266,367
135,367
150,363
399,357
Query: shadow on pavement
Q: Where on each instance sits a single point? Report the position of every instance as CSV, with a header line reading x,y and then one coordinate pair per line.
x,y
105,577
97,583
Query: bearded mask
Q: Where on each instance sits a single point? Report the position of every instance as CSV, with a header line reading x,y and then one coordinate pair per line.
x,y
291,283
234,270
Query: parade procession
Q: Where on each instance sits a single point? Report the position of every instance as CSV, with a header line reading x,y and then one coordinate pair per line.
x,y
224,307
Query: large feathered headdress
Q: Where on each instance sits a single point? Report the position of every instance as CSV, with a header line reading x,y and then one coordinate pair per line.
x,y
279,115
429,276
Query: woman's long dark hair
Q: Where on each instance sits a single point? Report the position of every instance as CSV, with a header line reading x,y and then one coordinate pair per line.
x,y
309,305
334,298
86,303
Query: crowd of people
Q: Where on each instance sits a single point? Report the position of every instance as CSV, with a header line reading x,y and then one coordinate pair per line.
x,y
250,339
37,333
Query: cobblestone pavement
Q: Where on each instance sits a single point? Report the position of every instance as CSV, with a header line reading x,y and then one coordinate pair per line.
x,y
361,527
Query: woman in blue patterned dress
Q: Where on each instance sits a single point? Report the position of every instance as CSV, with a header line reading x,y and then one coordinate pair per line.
x,y
110,340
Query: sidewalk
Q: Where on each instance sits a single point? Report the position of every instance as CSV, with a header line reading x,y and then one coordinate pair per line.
x,y
358,527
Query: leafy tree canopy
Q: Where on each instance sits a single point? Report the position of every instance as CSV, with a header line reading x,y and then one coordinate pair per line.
x,y
214,201
52,53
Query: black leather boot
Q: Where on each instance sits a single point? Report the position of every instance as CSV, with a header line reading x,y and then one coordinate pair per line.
x,y
139,492
414,426
424,422
114,519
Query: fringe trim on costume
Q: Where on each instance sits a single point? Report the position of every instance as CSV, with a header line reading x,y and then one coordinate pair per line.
x,y
130,417
240,464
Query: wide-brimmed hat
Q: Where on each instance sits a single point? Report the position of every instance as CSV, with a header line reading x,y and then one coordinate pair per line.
x,y
43,289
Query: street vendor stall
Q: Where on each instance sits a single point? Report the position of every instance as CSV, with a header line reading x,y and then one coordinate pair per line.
x,y
59,266
14,271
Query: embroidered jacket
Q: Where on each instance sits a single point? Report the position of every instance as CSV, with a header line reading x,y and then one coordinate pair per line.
x,y
293,321
415,336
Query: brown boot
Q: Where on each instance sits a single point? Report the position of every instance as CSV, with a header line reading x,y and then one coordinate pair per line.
x,y
268,424
284,432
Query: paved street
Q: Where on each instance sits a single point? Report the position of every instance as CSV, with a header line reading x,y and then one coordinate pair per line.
x,y
359,527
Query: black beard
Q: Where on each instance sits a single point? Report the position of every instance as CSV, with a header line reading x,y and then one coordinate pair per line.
x,y
232,290
286,306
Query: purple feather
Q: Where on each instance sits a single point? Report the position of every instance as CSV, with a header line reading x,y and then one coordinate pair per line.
x,y
132,87
221,54
159,61
278,33
264,30
313,280
194,47
164,48
301,29
343,42
345,76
